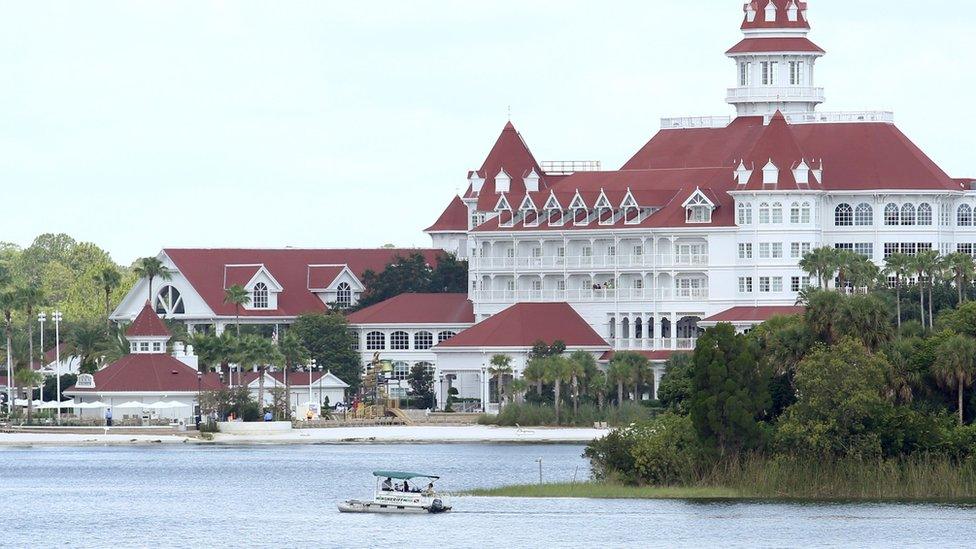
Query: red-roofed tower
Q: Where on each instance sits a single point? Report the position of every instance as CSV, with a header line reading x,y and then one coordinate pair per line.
x,y
147,333
775,61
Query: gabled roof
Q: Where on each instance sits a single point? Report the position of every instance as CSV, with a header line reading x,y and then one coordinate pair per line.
x,y
239,275
204,270
149,373
777,144
298,379
417,309
321,277
753,314
511,154
454,218
523,324
147,324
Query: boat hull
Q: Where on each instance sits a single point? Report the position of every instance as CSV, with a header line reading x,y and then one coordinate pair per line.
x,y
356,506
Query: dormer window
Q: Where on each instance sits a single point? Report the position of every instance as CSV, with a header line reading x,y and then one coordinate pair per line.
x,y
259,296
770,11
503,182
698,209
530,214
343,295
792,11
504,210
580,213
630,210
770,174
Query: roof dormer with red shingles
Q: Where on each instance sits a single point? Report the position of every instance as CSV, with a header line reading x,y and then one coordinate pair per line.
x,y
776,161
453,219
775,14
147,325
510,155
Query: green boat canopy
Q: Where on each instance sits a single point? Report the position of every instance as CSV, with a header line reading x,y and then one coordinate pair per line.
x,y
402,475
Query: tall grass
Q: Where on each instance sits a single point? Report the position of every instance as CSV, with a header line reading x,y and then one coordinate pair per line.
x,y
544,414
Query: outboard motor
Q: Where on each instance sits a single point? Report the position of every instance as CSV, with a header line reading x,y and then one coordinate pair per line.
x,y
437,506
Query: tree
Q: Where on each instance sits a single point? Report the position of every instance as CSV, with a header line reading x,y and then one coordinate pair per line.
x,y
30,297
898,265
821,264
152,268
866,317
498,367
824,312
557,372
634,370
28,378
412,274
9,302
237,295
730,391
257,353
676,385
330,342
449,276
954,366
87,342
293,353
581,363
845,262
783,342
925,264
108,279
535,372
618,372
963,269
422,386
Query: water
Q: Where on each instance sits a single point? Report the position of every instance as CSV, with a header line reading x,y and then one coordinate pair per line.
x,y
264,496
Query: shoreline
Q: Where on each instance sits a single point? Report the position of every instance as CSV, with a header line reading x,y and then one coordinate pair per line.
x,y
473,434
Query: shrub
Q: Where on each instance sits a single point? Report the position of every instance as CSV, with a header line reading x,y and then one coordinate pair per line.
x,y
667,451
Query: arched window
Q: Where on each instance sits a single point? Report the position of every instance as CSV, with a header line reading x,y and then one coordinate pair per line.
x,y
908,214
843,215
795,212
764,213
864,215
259,299
891,214
625,328
613,328
343,295
444,336
375,341
924,214
169,302
638,328
777,213
401,370
744,214
423,341
964,216
400,341
806,212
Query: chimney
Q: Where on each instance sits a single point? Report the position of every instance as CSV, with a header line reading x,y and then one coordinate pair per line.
x,y
184,353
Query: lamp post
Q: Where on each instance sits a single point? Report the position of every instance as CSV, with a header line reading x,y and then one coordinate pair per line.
x,y
311,366
199,394
41,317
57,357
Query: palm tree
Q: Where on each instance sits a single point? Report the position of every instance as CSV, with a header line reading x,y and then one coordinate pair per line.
x,y
619,373
557,371
580,363
29,378
927,265
30,297
9,302
963,270
598,385
108,279
954,366
256,353
824,312
292,353
237,295
517,389
499,367
821,264
898,265
151,268
535,373
86,342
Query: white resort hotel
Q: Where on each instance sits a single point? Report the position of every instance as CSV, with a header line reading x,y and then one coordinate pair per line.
x,y
705,223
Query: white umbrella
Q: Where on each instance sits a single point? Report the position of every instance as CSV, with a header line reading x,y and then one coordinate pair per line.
x,y
91,405
53,404
130,404
177,404
160,405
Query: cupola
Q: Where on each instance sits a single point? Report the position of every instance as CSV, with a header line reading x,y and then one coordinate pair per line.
x,y
147,334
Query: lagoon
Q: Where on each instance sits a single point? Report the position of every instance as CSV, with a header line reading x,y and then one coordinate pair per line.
x,y
284,496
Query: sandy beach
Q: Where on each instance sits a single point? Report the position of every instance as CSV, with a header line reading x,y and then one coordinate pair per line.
x,y
340,435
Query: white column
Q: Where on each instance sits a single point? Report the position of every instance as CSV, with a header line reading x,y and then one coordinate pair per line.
x,y
674,331
658,374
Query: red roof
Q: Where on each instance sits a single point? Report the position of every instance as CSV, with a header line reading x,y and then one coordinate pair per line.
x,y
511,154
417,309
856,156
321,277
781,21
239,275
777,144
655,356
156,372
295,379
523,324
454,218
204,269
753,314
147,324
766,45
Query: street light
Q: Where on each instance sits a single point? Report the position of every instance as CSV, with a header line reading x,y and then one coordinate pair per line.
x,y
199,394
41,317
57,357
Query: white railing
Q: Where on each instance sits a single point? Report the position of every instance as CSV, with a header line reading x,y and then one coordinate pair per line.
x,y
644,261
884,117
775,93
586,296
686,122
568,167
654,344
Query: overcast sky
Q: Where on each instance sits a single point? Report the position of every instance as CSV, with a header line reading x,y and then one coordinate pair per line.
x,y
143,124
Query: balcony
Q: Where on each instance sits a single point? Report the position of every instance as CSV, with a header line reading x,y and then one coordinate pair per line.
x,y
654,344
773,94
591,296
688,122
587,263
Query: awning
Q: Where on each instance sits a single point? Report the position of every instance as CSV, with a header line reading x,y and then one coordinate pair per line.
x,y
401,475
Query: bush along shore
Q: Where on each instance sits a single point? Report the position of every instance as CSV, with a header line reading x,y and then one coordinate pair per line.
x,y
846,401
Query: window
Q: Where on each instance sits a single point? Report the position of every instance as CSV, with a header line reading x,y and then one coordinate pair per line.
x,y
799,283
638,250
769,73
843,215
799,249
765,250
444,336
401,370
638,284
764,213
944,215
144,346
744,214
510,285
561,251
890,249
745,69
865,249
795,213
796,73
587,251
699,210
745,251
908,214
423,341
537,252
375,341
777,284
864,215
849,246
806,212
777,213
964,216
169,302
400,341
964,248
764,284
536,285
611,250
924,214
510,253
909,248
561,285
745,285
891,214
259,296
343,295
157,347
777,250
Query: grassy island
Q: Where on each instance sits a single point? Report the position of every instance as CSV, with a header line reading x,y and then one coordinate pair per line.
x,y
603,490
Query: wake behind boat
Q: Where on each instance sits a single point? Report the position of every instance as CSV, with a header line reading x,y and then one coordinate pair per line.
x,y
394,496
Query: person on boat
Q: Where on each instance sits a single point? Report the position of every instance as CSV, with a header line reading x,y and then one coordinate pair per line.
x,y
429,490
406,486
387,484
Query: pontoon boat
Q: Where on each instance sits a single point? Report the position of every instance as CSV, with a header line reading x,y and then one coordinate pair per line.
x,y
395,493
